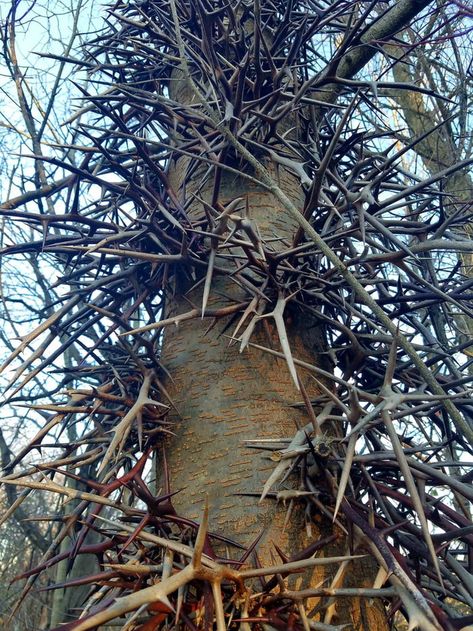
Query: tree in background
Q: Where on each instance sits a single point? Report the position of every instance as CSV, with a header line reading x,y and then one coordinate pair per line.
x,y
251,387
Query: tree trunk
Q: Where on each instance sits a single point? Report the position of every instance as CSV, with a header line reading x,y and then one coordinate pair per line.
x,y
223,398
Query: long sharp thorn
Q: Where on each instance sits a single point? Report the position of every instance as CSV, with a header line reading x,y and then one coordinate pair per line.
x,y
345,473
200,539
208,280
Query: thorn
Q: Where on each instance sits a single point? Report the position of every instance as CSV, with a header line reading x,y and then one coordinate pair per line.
x,y
200,539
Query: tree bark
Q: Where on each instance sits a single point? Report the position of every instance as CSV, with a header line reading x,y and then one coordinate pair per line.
x,y
223,397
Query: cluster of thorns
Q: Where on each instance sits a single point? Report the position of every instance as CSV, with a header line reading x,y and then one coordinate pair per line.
x,y
359,263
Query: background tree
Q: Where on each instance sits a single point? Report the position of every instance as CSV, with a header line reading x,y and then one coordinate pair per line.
x,y
242,257
441,122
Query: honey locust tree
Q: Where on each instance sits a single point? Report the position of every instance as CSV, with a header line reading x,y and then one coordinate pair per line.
x,y
264,422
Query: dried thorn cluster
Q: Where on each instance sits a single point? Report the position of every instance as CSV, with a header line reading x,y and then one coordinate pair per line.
x,y
197,94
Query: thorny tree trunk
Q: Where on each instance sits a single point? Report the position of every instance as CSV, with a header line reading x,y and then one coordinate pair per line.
x,y
223,398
